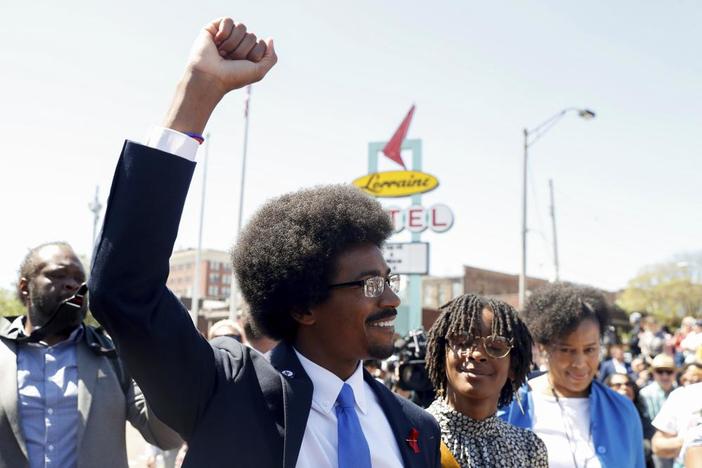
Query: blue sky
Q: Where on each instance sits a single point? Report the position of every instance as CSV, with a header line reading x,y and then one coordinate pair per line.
x,y
80,77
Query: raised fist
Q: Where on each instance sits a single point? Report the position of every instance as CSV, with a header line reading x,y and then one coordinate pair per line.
x,y
226,52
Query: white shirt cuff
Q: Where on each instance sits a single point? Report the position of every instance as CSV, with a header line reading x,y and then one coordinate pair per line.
x,y
173,142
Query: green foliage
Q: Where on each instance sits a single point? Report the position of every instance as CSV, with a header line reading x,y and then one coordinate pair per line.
x,y
668,290
90,320
9,304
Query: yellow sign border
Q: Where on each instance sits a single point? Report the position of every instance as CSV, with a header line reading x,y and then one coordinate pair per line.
x,y
396,184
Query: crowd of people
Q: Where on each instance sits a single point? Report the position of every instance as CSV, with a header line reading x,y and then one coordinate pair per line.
x,y
285,386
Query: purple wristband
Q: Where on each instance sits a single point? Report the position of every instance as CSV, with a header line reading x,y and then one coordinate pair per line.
x,y
196,136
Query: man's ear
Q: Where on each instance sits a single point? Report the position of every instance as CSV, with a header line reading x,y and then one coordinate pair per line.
x,y
303,316
23,288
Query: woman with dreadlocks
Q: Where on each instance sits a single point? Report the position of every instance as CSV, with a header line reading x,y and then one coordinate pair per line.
x,y
582,422
478,355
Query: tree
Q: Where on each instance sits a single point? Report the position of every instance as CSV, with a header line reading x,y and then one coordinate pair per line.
x,y
669,290
9,304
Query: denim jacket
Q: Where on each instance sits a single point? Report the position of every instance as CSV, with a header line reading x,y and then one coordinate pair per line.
x,y
616,427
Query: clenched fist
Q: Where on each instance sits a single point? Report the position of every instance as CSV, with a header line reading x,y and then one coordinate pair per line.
x,y
224,57
231,55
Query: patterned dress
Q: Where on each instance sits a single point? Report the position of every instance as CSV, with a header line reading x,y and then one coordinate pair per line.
x,y
491,442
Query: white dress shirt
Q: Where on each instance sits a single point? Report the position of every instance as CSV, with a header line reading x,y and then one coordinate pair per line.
x,y
173,142
619,367
319,444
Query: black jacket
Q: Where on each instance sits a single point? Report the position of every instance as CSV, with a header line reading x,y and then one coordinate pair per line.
x,y
232,406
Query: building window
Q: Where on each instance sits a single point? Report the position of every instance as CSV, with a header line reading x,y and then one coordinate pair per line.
x,y
442,295
457,288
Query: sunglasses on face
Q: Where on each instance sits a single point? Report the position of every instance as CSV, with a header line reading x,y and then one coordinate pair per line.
x,y
664,371
494,346
616,385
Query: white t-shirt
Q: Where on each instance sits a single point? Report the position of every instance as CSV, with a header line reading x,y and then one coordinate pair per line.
x,y
692,439
551,424
681,412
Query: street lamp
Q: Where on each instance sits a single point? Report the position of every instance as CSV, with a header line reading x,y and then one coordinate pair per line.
x,y
531,137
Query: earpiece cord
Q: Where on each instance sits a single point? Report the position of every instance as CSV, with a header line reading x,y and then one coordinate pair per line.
x,y
39,333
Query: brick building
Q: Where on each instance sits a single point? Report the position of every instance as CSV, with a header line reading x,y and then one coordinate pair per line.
x,y
502,286
436,291
215,274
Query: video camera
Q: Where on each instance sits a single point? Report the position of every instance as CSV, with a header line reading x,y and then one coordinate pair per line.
x,y
412,375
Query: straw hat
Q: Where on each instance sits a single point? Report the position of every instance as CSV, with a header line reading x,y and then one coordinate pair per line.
x,y
663,361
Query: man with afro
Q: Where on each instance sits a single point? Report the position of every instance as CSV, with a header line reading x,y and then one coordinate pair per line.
x,y
310,267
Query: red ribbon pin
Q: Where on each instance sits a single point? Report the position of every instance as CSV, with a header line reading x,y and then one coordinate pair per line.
x,y
412,440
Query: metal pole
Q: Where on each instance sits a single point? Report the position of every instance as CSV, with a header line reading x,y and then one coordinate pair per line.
x,y
95,207
233,286
536,133
522,273
415,281
553,224
195,305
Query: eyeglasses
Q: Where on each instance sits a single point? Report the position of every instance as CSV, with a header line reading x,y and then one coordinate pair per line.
x,y
373,286
664,371
494,346
620,384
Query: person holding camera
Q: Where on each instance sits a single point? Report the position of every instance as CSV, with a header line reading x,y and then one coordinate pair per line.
x,y
478,355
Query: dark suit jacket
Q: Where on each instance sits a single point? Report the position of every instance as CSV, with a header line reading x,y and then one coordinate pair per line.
x,y
232,406
607,369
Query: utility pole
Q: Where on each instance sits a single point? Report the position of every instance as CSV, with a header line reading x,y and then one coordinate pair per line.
x,y
530,137
522,272
95,207
553,224
233,296
195,299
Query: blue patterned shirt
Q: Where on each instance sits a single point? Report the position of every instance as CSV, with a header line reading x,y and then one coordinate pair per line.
x,y
47,383
653,397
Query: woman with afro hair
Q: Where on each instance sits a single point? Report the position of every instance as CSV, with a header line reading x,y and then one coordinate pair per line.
x,y
581,421
478,355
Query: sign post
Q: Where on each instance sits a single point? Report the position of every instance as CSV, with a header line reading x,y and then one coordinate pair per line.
x,y
407,258
414,287
410,259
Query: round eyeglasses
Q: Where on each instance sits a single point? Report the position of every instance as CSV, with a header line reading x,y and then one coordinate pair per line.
x,y
373,286
494,346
